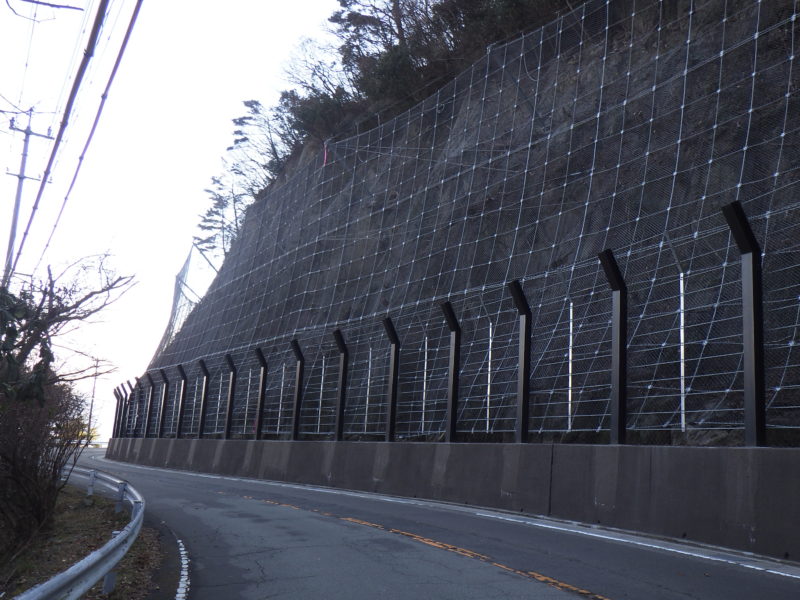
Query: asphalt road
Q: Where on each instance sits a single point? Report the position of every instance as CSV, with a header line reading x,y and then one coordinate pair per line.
x,y
254,539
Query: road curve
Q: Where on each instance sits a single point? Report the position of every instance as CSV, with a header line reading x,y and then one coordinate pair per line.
x,y
258,539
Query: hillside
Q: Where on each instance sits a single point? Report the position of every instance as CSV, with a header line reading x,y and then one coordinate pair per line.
x,y
608,128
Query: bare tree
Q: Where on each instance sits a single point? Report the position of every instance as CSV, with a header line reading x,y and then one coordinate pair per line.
x,y
42,423
222,221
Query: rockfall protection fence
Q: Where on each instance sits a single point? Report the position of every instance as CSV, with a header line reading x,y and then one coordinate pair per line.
x,y
157,409
625,125
83,575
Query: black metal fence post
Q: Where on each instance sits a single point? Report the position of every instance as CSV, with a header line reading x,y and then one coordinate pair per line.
x,y
452,372
121,396
755,422
181,402
298,390
203,397
619,346
117,395
342,387
524,367
394,370
123,405
129,404
149,404
262,392
122,431
231,396
138,402
164,394
120,410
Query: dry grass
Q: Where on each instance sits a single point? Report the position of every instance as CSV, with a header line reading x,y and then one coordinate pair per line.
x,y
81,525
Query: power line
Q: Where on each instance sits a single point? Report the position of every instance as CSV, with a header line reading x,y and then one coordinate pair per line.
x,y
16,108
98,22
74,57
34,21
103,98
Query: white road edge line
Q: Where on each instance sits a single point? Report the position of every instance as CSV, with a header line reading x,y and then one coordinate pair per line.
x,y
721,555
182,592
656,546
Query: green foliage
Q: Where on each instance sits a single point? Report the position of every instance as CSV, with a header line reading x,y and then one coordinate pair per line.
x,y
394,53
315,115
398,51
391,77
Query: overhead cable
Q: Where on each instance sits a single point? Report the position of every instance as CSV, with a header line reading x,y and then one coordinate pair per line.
x,y
103,98
87,56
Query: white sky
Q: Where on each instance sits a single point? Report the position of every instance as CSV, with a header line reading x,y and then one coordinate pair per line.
x,y
166,124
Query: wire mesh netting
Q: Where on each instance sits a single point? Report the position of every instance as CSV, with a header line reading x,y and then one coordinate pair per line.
x,y
623,125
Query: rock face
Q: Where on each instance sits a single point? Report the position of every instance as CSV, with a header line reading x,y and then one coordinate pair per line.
x,y
623,125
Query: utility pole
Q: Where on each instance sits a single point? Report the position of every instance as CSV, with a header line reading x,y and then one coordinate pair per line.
x,y
21,177
91,405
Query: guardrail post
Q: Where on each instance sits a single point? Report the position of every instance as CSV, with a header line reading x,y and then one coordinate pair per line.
x,y
524,368
181,402
122,487
90,487
110,578
298,390
149,404
752,324
231,396
619,346
203,397
394,371
453,372
164,394
262,392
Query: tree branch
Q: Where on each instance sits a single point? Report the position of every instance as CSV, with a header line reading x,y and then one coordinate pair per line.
x,y
48,4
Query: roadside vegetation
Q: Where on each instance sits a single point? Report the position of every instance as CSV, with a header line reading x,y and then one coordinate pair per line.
x,y
79,526
43,419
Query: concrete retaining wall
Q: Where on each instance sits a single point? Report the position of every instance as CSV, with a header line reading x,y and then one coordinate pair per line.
x,y
743,498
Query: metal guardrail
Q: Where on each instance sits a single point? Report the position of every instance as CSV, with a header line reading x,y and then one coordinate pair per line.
x,y
80,577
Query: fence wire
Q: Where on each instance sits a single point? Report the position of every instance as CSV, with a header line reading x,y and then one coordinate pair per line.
x,y
623,125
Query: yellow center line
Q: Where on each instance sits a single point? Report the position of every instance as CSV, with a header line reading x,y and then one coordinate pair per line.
x,y
360,522
561,585
442,545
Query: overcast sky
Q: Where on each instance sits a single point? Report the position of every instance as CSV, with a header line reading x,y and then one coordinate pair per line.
x,y
166,124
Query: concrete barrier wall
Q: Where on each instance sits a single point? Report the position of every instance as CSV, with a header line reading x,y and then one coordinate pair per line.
x,y
743,498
